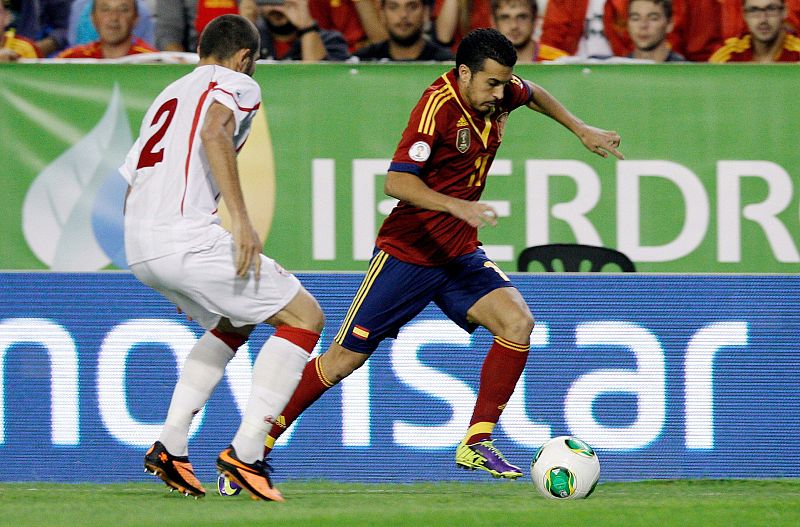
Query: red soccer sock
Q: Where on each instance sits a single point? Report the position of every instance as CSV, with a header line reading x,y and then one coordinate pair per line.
x,y
312,385
501,371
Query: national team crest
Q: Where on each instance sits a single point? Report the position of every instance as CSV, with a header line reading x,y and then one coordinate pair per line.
x,y
501,124
463,139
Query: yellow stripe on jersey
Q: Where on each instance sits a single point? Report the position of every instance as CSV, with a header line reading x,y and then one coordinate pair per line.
x,y
550,53
487,128
432,126
732,45
791,43
423,121
512,345
374,269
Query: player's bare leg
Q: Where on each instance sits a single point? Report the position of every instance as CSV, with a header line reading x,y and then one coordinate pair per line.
x,y
276,372
504,313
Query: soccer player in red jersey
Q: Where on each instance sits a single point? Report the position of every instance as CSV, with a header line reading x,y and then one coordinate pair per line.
x,y
428,250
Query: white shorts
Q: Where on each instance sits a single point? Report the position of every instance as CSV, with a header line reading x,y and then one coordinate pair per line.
x,y
203,283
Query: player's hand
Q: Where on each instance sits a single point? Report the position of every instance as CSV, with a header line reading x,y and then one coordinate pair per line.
x,y
475,213
248,249
8,55
601,142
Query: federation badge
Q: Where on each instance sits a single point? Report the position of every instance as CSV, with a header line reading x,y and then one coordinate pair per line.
x,y
462,139
501,124
419,151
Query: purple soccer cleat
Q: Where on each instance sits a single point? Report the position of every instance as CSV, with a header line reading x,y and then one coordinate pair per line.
x,y
484,456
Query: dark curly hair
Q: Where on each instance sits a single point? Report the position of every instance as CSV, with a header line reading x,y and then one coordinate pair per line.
x,y
485,43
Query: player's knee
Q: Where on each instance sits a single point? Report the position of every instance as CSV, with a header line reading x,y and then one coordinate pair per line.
x,y
517,325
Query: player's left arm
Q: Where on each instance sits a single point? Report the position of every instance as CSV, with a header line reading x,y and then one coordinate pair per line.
x,y
217,136
601,142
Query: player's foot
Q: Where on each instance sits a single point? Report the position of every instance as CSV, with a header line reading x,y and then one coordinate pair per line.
x,y
253,477
484,456
175,471
226,487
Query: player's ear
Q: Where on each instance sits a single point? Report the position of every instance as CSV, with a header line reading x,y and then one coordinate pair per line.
x,y
242,60
464,72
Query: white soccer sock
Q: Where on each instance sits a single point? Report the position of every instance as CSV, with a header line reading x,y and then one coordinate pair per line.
x,y
276,373
201,373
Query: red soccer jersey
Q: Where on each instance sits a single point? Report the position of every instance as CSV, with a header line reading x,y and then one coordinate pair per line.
x,y
450,147
741,50
93,50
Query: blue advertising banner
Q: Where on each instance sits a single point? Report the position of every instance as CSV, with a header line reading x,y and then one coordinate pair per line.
x,y
667,376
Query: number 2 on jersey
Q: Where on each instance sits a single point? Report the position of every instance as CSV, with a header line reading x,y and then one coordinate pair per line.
x,y
148,157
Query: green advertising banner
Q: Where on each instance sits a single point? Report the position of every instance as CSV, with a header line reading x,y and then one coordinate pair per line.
x,y
710,182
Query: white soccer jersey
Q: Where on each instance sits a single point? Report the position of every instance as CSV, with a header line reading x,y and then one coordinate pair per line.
x,y
172,206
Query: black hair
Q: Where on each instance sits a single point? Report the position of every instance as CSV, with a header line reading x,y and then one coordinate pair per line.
x,y
485,43
666,5
227,34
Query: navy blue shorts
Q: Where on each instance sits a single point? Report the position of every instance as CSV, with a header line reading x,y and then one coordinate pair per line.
x,y
394,292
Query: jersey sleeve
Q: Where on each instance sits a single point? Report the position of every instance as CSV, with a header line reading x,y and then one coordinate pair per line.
x,y
419,137
128,168
240,94
519,92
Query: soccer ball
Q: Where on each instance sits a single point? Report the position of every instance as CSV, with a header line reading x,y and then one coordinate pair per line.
x,y
565,468
226,487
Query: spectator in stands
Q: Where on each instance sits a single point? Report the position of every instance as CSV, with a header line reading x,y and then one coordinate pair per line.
x,y
356,20
405,23
734,25
12,47
114,20
289,32
42,21
649,22
455,18
516,20
175,27
82,31
696,34
767,39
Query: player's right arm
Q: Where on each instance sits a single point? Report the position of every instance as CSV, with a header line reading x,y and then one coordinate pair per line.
x,y
411,189
601,142
217,136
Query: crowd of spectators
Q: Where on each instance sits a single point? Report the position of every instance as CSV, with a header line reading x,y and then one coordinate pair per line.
x,y
408,30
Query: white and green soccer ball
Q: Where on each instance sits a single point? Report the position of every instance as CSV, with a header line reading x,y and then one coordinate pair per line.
x,y
565,468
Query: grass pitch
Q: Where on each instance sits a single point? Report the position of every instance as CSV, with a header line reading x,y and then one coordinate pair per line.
x,y
682,503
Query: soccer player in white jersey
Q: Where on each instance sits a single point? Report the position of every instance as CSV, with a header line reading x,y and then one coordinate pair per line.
x,y
183,160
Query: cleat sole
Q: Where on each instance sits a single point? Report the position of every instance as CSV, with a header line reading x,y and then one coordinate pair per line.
x,y
157,472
